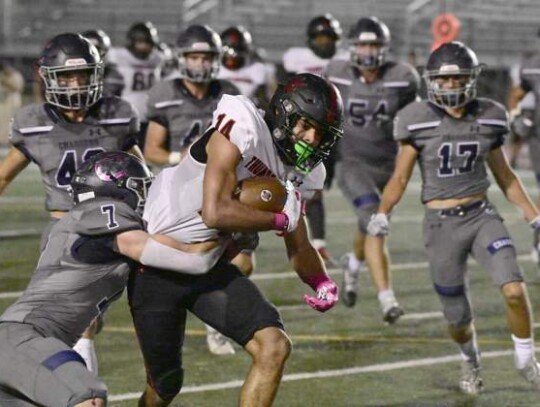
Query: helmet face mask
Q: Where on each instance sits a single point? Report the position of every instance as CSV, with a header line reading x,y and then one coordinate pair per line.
x,y
318,104
199,39
116,175
451,75
366,55
69,56
369,41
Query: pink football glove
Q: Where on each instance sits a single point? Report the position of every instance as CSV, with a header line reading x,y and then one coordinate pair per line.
x,y
327,294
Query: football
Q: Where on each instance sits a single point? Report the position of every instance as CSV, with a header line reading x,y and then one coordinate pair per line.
x,y
263,193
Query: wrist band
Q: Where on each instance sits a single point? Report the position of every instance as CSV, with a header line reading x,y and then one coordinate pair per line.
x,y
316,280
281,221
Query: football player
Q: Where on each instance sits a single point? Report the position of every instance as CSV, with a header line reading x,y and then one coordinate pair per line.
x,y
137,63
193,203
454,136
240,66
323,36
75,123
81,271
527,93
179,110
373,89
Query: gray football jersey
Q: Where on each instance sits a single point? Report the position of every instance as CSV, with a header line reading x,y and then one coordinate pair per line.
x,y
186,118
66,292
59,147
530,81
370,109
452,152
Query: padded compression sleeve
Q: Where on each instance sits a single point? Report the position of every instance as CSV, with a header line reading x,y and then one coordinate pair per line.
x,y
156,254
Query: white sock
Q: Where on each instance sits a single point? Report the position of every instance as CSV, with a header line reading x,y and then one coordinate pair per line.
x,y
524,351
85,348
469,351
318,243
386,295
354,263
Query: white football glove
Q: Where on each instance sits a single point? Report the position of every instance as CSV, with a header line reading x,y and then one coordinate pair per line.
x,y
293,206
378,225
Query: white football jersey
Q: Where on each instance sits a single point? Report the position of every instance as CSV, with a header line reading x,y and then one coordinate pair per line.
x,y
175,197
138,75
247,79
303,60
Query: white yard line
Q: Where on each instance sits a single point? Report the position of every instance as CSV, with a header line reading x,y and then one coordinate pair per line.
x,y
321,374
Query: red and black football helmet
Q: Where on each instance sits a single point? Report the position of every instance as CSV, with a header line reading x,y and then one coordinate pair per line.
x,y
237,47
305,96
142,32
325,25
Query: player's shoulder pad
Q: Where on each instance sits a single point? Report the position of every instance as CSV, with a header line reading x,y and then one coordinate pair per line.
x,y
161,94
116,111
492,114
400,74
415,118
338,71
32,120
104,216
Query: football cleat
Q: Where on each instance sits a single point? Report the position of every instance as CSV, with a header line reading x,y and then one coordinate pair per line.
x,y
470,382
531,373
218,344
350,282
391,310
393,314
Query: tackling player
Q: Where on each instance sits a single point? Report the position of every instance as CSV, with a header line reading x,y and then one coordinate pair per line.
x,y
453,136
373,89
193,203
75,123
81,271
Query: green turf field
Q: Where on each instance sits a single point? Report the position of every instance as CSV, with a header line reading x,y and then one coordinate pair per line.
x,y
345,357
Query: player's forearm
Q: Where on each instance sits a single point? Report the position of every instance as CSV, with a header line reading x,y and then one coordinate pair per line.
x,y
231,215
157,155
516,194
159,255
392,194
